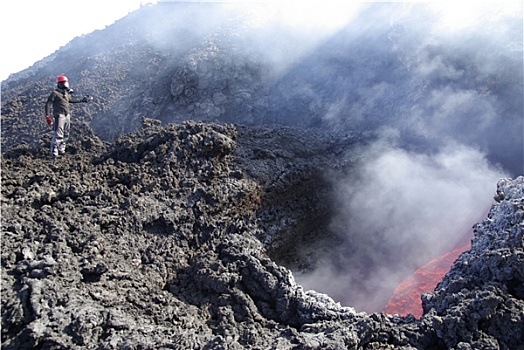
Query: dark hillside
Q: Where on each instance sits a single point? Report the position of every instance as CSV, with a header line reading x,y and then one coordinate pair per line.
x,y
389,68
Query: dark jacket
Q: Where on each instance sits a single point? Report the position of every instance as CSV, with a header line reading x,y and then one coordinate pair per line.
x,y
60,100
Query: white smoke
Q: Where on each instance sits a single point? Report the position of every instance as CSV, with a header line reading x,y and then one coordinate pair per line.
x,y
399,210
446,84
431,71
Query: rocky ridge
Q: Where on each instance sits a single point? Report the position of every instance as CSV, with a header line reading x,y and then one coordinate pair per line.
x,y
165,238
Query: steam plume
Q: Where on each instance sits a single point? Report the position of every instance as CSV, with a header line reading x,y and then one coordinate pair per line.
x,y
397,212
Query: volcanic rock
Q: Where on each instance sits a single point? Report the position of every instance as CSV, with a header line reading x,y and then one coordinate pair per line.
x,y
161,240
484,290
201,176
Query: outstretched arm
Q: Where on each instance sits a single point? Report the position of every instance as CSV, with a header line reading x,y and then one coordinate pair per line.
x,y
86,99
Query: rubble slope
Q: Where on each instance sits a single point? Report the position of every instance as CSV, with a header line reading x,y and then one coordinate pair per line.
x,y
162,239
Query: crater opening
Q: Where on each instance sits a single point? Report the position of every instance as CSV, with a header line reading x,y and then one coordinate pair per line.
x,y
368,243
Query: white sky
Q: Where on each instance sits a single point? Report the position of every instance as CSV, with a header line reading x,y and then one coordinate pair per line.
x,y
31,30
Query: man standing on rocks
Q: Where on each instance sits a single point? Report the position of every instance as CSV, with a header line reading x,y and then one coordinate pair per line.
x,y
59,100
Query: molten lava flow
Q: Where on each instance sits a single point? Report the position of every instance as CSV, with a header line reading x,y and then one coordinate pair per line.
x,y
406,297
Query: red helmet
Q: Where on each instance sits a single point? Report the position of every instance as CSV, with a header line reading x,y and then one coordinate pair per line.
x,y
61,79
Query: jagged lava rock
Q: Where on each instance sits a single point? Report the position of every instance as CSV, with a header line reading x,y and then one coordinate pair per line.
x,y
159,240
480,302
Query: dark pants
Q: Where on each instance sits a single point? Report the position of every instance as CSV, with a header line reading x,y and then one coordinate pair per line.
x,y
61,128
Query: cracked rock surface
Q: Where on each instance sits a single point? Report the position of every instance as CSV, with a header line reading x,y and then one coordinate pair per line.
x,y
168,238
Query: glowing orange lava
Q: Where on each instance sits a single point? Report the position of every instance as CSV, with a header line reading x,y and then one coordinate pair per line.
x,y
406,297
